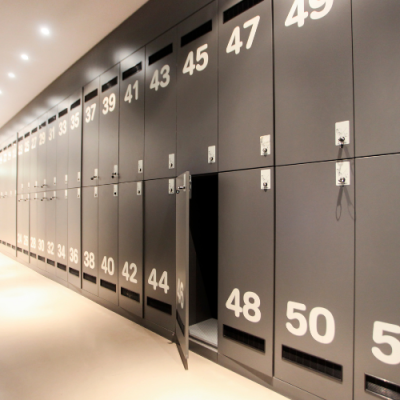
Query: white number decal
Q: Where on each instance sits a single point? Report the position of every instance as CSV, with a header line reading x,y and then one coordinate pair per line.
x,y
74,121
42,138
19,238
179,293
52,133
125,272
189,66
318,4
89,260
235,44
380,338
108,265
33,243
109,103
301,330
251,303
41,244
128,94
90,112
26,240
50,248
201,55
155,82
299,6
163,284
73,255
61,251
62,128
34,140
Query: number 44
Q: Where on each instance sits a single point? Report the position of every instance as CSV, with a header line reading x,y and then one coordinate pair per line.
x,y
298,6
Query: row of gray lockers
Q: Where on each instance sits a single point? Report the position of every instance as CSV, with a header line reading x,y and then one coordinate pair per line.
x,y
279,266
229,89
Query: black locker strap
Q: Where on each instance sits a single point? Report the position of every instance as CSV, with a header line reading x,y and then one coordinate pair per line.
x,y
34,130
239,8
244,338
43,124
130,295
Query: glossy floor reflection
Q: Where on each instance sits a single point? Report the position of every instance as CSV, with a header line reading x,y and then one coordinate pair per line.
x,y
56,344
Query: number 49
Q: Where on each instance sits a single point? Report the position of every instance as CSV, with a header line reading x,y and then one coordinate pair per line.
x,y
299,6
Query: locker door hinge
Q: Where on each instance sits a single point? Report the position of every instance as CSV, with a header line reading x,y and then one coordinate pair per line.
x,y
343,173
171,161
265,179
139,188
265,145
211,154
342,133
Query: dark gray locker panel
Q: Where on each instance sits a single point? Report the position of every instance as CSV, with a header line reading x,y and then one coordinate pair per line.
x,y
160,106
90,244
26,163
62,132
197,105
41,154
245,84
74,237
130,242
61,242
159,256
109,124
51,150
108,243
314,298
75,140
246,268
41,229
33,179
33,228
51,248
376,62
21,166
90,149
313,81
131,118
23,227
377,329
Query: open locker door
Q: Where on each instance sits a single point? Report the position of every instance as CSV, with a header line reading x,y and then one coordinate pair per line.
x,y
183,190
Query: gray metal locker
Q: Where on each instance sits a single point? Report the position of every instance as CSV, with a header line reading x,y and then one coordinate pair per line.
x,y
51,248
246,268
197,104
33,228
131,118
313,81
26,163
90,244
51,150
108,126
61,242
23,227
108,243
130,244
75,140
314,285
33,159
377,322
41,229
21,166
74,237
62,133
245,85
41,155
376,63
90,140
159,256
160,107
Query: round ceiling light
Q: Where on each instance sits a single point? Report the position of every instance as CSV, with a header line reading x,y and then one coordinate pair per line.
x,y
25,57
11,75
45,31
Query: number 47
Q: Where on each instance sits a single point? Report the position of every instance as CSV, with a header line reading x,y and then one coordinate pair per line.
x,y
235,43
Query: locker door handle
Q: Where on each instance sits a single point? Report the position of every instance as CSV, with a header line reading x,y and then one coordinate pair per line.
x,y
114,174
43,199
94,177
43,186
341,141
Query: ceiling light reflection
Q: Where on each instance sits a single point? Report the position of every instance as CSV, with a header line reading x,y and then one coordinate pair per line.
x,y
45,31
25,57
11,75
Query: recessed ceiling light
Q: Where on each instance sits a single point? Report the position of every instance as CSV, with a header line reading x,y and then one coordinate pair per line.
x,y
1,92
11,75
45,31
25,57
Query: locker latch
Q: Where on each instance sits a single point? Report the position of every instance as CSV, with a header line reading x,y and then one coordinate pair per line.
x,y
115,173
171,186
35,198
96,192
140,166
171,161
36,185
55,181
79,177
342,133
54,196
66,179
115,191
96,174
66,194
44,197
265,179
211,154
265,145
78,194
139,188
44,184
343,173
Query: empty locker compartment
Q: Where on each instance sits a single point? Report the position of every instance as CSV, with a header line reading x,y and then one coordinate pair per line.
x,y
75,140
313,81
108,126
159,253
23,227
246,267
51,249
33,228
131,118
41,184
61,242
197,103
130,245
376,64
90,140
160,107
314,285
51,150
33,179
108,242
62,132
90,244
41,229
377,312
245,84
74,237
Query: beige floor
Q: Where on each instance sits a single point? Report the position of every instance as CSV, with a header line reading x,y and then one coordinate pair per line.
x,y
58,345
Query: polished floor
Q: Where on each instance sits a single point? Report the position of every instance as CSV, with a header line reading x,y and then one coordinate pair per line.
x,y
56,344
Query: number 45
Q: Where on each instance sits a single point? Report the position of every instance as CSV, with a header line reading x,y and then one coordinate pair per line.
x,y
298,6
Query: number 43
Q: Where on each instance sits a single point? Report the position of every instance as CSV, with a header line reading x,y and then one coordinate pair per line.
x,y
298,6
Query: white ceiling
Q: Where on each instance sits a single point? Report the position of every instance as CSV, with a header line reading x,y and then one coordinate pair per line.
x,y
75,27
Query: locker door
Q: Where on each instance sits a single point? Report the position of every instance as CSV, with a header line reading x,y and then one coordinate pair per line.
x,y
51,150
314,283
90,246
160,249
197,92
377,345
90,149
41,155
160,107
33,179
245,85
21,166
41,229
33,227
75,140
27,163
131,118
109,125
376,63
130,242
62,133
313,81
51,249
74,237
22,225
61,242
108,242
246,278
183,185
